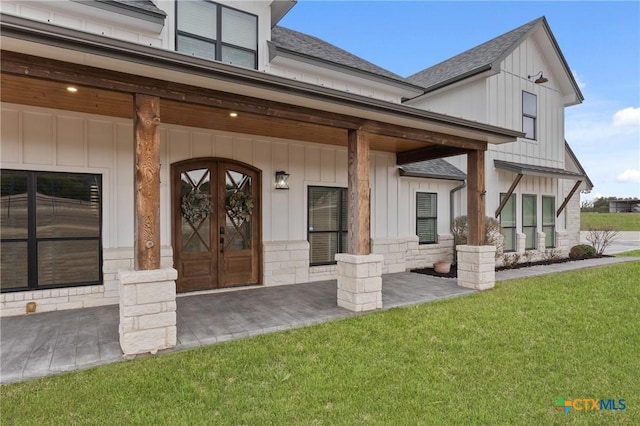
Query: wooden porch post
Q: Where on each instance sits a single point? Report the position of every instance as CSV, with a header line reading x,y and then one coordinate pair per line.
x,y
358,193
146,125
475,198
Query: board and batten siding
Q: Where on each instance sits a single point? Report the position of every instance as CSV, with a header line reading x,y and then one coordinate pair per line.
x,y
50,140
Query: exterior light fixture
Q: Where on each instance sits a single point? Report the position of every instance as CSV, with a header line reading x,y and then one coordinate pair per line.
x,y
233,114
282,180
540,80
72,89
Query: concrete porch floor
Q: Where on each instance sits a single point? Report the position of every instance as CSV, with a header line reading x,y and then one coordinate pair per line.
x,y
54,342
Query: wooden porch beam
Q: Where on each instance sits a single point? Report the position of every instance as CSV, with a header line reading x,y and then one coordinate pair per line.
x,y
146,124
358,192
63,72
419,135
509,192
475,198
428,153
566,200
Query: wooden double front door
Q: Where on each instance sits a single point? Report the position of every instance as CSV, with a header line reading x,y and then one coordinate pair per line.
x,y
216,224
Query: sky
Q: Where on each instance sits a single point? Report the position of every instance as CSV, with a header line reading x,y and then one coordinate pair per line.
x,y
600,41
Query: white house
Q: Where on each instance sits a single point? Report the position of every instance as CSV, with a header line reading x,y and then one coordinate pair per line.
x,y
145,145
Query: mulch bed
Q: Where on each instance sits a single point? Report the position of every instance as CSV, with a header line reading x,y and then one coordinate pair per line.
x,y
453,273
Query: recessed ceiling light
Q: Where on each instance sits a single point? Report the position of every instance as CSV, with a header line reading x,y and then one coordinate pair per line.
x,y
233,114
72,89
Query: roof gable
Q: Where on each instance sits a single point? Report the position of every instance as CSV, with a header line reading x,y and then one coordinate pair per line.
x,y
473,61
488,56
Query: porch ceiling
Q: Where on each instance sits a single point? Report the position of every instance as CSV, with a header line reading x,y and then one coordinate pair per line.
x,y
52,94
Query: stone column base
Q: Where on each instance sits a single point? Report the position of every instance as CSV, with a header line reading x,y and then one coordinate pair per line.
x,y
147,310
476,267
359,281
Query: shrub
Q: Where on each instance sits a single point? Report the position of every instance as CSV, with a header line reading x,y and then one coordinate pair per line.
x,y
602,238
582,251
492,234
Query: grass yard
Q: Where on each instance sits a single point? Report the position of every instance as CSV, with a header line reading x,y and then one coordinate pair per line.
x,y
621,221
499,357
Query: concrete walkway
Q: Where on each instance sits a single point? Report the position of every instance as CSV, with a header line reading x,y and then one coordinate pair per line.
x,y
54,342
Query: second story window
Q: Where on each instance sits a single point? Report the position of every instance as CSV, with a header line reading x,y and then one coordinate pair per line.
x,y
529,114
212,31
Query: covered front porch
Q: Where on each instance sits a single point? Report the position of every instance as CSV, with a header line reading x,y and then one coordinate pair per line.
x,y
55,342
141,92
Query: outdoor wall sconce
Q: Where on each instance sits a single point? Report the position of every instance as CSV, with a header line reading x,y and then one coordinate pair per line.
x,y
539,80
282,180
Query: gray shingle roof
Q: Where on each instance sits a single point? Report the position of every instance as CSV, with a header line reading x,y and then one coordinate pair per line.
x,y
435,169
473,61
310,46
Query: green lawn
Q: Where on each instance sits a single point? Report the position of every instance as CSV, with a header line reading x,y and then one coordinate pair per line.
x,y
499,357
621,221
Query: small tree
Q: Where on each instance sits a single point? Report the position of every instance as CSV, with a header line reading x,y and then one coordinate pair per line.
x,y
492,234
600,239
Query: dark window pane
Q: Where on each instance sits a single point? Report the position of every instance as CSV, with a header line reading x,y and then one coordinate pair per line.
x,y
508,214
426,230
195,47
67,262
67,205
239,29
529,107
550,236
323,247
323,209
197,17
13,204
344,213
529,127
529,213
196,207
239,208
509,239
426,205
13,265
530,237
548,211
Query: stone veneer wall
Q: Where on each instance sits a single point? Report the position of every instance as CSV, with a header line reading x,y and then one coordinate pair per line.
x,y
59,299
401,254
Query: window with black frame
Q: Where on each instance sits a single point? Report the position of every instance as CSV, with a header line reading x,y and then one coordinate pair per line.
x,y
427,217
549,220
529,115
327,222
212,31
51,229
508,222
529,220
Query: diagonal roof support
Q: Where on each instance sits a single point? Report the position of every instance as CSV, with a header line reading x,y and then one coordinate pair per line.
x,y
508,194
566,200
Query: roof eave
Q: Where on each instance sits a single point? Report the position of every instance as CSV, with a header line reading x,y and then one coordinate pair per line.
x,y
92,44
155,17
574,157
279,8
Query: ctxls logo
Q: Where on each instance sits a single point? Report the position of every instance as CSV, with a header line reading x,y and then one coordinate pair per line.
x,y
585,404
